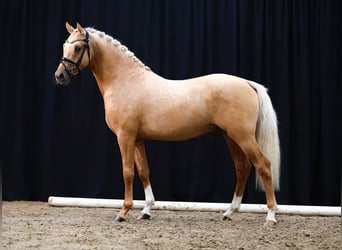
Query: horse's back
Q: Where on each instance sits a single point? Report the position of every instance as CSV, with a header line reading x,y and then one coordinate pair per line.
x,y
224,94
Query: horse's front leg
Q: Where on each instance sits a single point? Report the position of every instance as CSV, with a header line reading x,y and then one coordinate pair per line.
x,y
144,174
127,145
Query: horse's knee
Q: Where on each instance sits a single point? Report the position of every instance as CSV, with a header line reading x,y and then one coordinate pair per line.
x,y
128,174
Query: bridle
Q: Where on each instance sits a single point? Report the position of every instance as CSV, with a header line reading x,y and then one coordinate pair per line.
x,y
74,71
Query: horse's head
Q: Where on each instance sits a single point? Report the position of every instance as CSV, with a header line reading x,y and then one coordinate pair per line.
x,y
73,60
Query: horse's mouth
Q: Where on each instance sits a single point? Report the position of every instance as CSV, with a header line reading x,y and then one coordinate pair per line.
x,y
62,82
62,78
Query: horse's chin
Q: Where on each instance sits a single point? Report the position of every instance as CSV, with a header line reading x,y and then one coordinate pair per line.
x,y
63,82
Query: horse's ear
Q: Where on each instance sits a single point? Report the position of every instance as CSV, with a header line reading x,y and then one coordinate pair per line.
x,y
69,28
80,28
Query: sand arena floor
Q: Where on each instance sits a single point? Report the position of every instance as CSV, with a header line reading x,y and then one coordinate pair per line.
x,y
35,225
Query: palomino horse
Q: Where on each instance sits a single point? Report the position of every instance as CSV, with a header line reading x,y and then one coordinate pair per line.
x,y
141,105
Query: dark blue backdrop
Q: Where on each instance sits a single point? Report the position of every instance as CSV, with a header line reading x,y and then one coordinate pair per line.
x,y
54,140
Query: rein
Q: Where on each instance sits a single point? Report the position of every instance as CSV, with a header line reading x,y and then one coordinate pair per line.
x,y
75,71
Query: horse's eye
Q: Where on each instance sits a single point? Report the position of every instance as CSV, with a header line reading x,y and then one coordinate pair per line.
x,y
77,49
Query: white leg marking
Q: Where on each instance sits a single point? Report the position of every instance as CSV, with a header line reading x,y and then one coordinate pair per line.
x,y
233,207
149,200
271,215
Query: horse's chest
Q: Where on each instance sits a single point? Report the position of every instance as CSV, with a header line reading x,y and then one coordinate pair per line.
x,y
111,121
120,119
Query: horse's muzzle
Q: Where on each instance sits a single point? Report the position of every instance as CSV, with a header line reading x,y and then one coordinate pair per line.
x,y
62,77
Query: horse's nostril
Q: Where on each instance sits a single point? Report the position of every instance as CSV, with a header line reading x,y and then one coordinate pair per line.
x,y
59,77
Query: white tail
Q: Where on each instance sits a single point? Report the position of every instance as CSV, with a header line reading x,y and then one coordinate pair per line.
x,y
267,134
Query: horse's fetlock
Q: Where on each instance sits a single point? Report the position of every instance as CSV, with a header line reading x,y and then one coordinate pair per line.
x,y
149,202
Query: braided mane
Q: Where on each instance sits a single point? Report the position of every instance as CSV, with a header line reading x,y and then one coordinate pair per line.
x,y
117,44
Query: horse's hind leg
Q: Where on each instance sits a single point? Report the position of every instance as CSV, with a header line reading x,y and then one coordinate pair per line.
x,y
242,169
263,166
144,173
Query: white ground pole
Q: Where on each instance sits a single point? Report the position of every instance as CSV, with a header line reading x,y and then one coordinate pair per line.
x,y
194,206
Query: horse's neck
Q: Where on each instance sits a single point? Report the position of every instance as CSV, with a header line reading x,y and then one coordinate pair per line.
x,y
111,66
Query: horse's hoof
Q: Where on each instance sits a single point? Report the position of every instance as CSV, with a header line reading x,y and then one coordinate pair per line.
x,y
269,223
118,219
144,217
224,217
